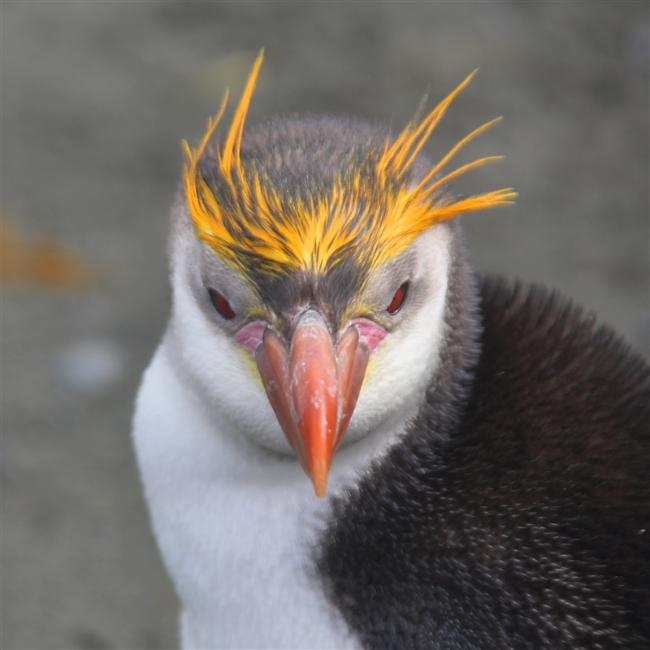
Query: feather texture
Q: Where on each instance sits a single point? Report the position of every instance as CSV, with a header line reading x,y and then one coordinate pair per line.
x,y
371,210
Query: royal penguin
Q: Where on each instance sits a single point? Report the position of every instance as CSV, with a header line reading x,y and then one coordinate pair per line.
x,y
347,439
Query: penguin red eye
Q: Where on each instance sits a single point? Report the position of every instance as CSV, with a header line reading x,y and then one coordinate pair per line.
x,y
221,305
398,299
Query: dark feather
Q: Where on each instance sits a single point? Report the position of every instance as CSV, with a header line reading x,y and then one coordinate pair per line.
x,y
521,517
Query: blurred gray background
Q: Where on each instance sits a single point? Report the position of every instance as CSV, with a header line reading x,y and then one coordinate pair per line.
x,y
95,98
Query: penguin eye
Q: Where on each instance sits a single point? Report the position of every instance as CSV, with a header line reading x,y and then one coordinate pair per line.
x,y
398,299
221,304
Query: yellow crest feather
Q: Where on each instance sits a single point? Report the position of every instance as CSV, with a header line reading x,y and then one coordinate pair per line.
x,y
371,216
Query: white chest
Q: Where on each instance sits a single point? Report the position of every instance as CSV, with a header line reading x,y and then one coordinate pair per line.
x,y
235,525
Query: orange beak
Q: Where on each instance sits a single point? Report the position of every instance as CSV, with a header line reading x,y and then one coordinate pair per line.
x,y
313,388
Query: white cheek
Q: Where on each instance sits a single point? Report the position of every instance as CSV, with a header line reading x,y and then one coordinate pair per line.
x,y
224,373
403,364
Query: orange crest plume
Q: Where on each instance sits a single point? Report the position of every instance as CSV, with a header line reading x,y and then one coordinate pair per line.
x,y
372,211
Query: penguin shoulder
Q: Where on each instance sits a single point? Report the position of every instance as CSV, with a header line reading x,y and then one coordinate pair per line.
x,y
548,367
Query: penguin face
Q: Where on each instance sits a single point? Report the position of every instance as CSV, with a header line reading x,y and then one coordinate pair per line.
x,y
352,367
311,274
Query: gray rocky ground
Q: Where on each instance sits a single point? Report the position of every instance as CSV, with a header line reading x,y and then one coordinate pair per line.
x,y
95,98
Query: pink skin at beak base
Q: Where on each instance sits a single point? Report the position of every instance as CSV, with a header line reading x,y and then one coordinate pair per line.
x,y
250,335
370,334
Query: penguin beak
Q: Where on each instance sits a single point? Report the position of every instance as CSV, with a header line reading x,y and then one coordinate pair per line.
x,y
313,388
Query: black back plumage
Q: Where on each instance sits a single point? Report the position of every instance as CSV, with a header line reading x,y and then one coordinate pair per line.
x,y
516,511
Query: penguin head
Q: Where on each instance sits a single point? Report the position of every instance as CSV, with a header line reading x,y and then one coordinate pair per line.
x,y
310,269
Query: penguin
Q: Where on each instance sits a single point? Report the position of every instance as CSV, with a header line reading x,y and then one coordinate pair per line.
x,y
348,439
